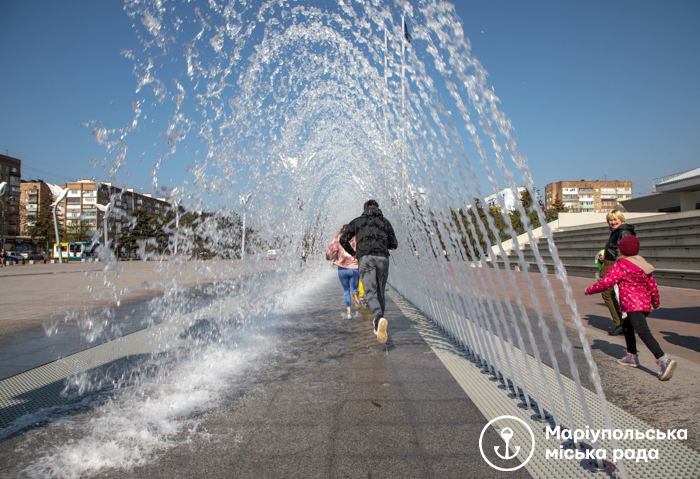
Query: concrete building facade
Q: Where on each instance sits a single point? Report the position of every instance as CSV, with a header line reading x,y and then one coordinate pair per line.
x,y
679,192
588,196
23,201
84,195
10,173
508,198
34,197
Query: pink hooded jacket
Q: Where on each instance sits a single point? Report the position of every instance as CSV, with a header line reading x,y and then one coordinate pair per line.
x,y
336,252
638,290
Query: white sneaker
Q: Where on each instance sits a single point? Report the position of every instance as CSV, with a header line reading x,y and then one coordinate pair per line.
x,y
349,316
381,331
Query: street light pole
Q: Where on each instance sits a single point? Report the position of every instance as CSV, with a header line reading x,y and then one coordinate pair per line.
x,y
244,201
177,225
61,197
3,187
105,209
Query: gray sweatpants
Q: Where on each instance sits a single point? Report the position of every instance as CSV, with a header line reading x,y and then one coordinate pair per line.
x,y
374,271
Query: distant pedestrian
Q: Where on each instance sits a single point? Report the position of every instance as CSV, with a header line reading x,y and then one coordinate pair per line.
x,y
3,258
638,295
347,271
618,230
303,255
375,237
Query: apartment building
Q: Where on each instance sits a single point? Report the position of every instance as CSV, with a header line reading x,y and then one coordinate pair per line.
x,y
83,197
10,173
23,201
588,196
34,196
508,198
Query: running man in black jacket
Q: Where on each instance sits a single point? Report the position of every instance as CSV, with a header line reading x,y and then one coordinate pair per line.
x,y
375,237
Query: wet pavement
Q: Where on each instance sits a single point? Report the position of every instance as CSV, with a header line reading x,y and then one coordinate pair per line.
x,y
45,309
332,402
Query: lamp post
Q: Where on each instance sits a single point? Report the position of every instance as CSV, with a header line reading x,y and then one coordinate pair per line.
x,y
61,197
105,210
244,201
3,187
177,226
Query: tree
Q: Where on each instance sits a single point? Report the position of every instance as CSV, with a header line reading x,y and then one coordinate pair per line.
x,y
162,237
43,227
192,226
469,242
499,222
77,231
528,205
553,213
146,230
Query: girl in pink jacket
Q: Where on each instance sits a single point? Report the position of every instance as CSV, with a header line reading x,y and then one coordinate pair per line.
x,y
638,295
347,270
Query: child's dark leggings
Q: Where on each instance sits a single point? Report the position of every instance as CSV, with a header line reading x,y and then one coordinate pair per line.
x,y
637,321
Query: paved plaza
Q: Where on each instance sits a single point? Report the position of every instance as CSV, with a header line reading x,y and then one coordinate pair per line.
x,y
332,402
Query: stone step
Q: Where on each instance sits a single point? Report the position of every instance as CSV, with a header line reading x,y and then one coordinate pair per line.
x,y
641,234
690,252
668,227
668,262
671,243
664,277
686,251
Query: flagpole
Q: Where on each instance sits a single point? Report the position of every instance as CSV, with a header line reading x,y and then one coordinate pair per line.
x,y
386,58
403,68
386,82
403,88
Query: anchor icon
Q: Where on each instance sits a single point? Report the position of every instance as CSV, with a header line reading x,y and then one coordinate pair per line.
x,y
506,434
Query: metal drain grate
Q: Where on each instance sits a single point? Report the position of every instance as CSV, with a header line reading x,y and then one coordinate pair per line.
x,y
40,388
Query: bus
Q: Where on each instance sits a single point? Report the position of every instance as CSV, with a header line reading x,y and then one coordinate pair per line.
x,y
73,250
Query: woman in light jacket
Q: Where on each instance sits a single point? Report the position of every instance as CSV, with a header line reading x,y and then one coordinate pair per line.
x,y
347,271
618,230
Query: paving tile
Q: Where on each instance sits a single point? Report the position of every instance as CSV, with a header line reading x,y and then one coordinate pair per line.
x,y
278,467
300,440
442,390
387,467
376,441
469,467
434,373
285,412
449,439
375,391
373,412
444,411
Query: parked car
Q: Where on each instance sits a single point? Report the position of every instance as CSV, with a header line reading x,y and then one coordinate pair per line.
x,y
32,255
11,257
272,254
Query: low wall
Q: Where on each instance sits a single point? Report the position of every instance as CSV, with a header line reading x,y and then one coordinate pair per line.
x,y
523,239
575,220
570,221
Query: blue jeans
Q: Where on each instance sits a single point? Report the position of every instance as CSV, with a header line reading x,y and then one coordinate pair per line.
x,y
350,279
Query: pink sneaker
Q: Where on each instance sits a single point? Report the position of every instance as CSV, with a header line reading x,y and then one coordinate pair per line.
x,y
630,360
667,367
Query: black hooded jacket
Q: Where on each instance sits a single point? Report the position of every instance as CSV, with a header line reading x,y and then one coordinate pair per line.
x,y
375,236
612,248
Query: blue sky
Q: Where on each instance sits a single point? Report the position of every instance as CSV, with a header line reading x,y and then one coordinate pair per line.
x,y
595,89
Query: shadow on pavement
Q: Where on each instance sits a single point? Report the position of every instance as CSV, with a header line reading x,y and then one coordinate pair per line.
x,y
599,322
684,315
688,342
